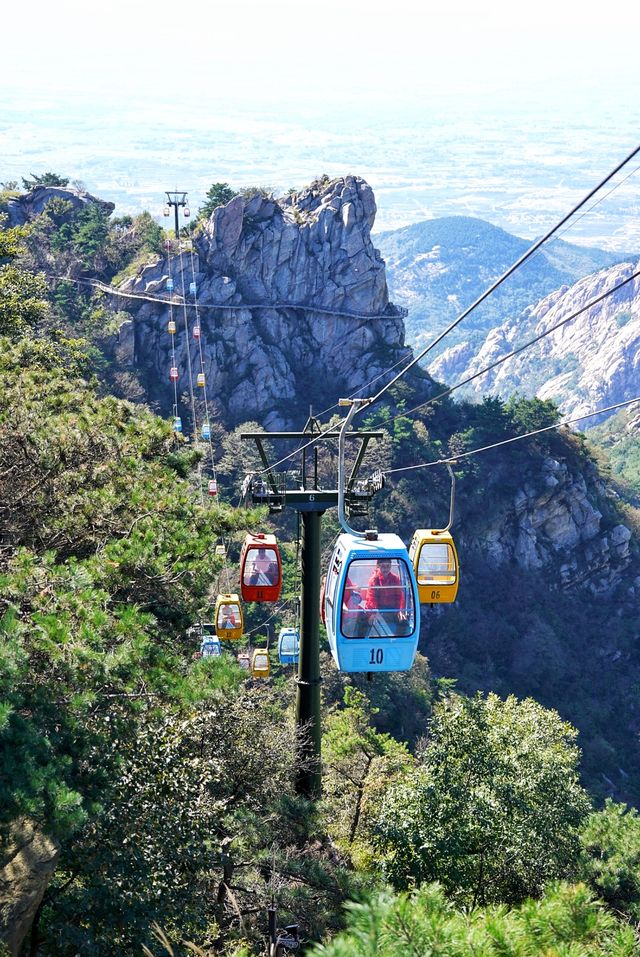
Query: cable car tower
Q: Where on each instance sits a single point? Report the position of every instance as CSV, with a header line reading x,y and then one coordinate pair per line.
x,y
176,198
301,491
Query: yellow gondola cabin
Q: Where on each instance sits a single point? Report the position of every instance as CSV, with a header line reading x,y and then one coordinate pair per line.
x,y
228,617
260,664
435,562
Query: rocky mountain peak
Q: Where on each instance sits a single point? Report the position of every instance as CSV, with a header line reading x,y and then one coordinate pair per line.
x,y
313,247
292,303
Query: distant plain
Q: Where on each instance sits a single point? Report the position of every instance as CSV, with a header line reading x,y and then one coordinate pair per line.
x,y
516,167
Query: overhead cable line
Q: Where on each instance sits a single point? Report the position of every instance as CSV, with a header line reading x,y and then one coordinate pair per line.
x,y
453,459
194,419
174,363
514,352
599,200
519,262
207,416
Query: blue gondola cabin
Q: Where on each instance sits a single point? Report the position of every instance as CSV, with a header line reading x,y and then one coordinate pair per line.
x,y
372,612
289,646
210,647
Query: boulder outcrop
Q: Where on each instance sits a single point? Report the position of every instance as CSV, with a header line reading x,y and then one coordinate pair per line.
x,y
553,520
27,206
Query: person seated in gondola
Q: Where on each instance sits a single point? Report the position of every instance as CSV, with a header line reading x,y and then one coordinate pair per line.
x,y
385,601
264,570
227,618
355,623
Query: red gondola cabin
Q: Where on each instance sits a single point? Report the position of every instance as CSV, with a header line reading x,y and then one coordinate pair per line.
x,y
260,568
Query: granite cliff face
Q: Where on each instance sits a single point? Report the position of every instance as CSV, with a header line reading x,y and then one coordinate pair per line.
x,y
591,362
553,520
292,304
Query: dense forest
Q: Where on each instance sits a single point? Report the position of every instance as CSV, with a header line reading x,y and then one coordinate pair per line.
x,y
481,804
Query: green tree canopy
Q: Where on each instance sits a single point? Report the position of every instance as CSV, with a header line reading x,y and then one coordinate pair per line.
x,y
218,194
44,179
359,765
105,558
494,809
567,922
22,293
610,859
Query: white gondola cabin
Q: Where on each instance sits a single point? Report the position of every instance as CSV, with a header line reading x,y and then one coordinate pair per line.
x,y
244,660
260,568
173,374
289,646
228,617
177,424
372,611
436,565
212,487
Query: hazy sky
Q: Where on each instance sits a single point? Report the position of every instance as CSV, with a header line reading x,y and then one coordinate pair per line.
x,y
269,52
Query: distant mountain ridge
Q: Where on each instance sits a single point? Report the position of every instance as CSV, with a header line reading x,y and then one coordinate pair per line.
x,y
591,362
439,267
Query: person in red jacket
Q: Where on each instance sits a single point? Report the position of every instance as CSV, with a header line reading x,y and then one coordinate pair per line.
x,y
385,599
